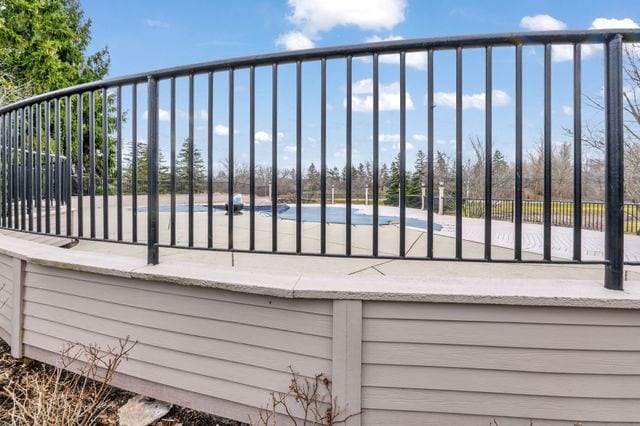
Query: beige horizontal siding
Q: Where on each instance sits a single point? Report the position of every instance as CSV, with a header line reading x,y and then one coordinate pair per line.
x,y
501,314
519,335
52,337
372,417
208,349
323,307
431,364
201,340
508,382
139,322
103,295
6,297
170,376
498,358
495,404
5,262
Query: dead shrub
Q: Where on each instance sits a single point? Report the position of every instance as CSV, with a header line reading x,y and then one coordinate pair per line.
x,y
74,392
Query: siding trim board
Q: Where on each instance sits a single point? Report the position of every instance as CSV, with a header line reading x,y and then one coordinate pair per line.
x,y
433,359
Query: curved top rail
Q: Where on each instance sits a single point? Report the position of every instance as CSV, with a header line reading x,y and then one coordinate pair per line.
x,y
435,43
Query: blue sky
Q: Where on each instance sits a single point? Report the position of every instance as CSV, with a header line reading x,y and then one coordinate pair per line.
x,y
149,35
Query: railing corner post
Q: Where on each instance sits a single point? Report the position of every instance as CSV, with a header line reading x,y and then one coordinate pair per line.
x,y
152,172
614,197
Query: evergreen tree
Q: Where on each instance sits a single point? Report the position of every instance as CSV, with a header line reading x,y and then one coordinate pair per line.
x,y
182,170
313,178
142,161
414,189
393,190
43,46
383,177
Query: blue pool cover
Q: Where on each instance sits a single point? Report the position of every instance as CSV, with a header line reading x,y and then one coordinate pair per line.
x,y
310,214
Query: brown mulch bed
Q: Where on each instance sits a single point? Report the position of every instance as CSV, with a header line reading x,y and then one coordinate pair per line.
x,y
11,368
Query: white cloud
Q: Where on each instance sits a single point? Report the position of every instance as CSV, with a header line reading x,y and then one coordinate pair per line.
x,y
290,148
203,115
542,23
163,115
342,153
383,137
609,23
612,23
446,141
262,136
419,137
562,53
394,138
294,40
567,110
221,130
155,23
549,23
408,145
417,60
388,96
314,16
475,100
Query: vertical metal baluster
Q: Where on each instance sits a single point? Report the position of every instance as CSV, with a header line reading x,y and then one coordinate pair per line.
x,y
119,161
191,162
92,164
252,158
17,174
15,171
274,158
12,131
614,153
459,153
23,170
153,150
39,169
172,136
517,254
298,157
134,163
577,153
30,166
47,154
57,188
376,154
79,166
6,169
231,159
209,162
488,127
403,154
323,156
67,163
547,153
14,204
3,165
430,108
347,182
105,166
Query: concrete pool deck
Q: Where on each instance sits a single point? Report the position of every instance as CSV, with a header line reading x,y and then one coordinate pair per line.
x,y
416,245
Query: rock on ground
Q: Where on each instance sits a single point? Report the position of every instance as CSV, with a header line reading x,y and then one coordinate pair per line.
x,y
142,411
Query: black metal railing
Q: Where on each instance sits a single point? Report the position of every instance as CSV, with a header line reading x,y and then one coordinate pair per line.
x,y
77,133
562,212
